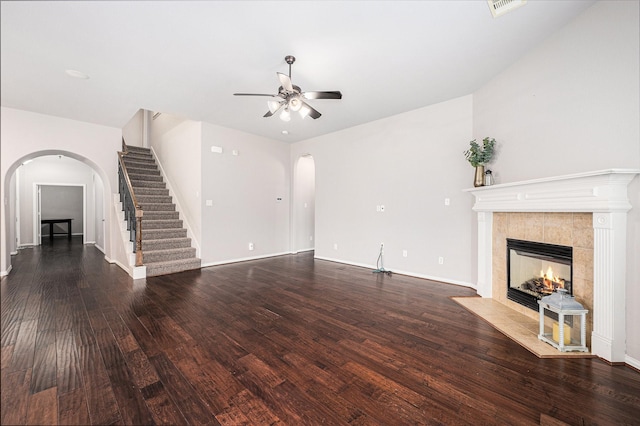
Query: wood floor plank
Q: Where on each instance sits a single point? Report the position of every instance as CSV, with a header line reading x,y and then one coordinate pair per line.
x,y
44,363
187,399
72,408
43,408
69,370
15,396
7,354
284,340
101,401
24,348
131,404
163,409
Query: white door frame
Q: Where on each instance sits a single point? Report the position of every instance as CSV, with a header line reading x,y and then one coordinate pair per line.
x,y
37,209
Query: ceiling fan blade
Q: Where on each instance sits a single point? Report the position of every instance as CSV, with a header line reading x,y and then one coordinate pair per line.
x,y
253,94
308,110
323,95
285,81
273,111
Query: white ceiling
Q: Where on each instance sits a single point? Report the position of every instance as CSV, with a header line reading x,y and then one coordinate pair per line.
x,y
188,58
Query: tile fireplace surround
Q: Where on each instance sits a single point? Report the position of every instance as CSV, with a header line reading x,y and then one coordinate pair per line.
x,y
552,210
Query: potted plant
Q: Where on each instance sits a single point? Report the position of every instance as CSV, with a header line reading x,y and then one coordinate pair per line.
x,y
479,155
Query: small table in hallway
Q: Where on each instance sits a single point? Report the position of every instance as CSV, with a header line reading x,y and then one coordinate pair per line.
x,y
52,222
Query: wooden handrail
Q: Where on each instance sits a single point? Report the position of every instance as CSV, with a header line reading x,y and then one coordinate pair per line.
x,y
139,212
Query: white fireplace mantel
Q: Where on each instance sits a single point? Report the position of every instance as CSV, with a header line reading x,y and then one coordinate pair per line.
x,y
604,193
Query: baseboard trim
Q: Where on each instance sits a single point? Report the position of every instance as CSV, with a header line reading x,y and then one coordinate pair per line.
x,y
99,248
409,274
5,273
245,259
632,362
304,250
123,267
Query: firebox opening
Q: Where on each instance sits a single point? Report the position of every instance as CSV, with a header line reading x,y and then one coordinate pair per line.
x,y
535,270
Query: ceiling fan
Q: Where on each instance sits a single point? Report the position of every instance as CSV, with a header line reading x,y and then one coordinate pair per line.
x,y
291,98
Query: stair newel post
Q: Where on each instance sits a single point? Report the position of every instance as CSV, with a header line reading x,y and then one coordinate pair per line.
x,y
138,236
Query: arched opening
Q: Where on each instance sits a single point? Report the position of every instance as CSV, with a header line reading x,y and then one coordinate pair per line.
x,y
53,167
304,204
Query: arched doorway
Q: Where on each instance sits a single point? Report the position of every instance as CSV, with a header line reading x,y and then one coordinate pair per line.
x,y
20,225
304,204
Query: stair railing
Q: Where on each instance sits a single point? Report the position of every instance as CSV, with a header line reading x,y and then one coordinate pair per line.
x,y
130,206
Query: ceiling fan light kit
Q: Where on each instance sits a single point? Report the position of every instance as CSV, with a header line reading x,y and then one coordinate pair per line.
x,y
291,97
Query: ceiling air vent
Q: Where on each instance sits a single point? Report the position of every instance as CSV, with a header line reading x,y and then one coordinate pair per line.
x,y
500,7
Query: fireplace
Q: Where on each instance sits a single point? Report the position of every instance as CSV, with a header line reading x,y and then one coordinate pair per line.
x,y
535,270
595,205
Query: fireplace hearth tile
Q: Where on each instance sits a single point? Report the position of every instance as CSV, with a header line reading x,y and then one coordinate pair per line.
x,y
518,327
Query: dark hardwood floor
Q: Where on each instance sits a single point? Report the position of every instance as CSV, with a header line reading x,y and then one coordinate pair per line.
x,y
288,340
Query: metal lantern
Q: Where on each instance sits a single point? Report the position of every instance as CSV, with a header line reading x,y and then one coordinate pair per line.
x,y
567,308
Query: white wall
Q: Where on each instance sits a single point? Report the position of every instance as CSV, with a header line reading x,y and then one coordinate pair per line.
x,y
27,135
573,105
304,203
176,143
53,170
100,212
244,190
132,132
12,237
409,163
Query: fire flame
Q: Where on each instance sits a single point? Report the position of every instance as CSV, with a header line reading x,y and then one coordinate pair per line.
x,y
550,281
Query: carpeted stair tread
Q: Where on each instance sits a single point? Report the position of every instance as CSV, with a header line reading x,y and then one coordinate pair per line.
x,y
132,148
145,177
166,243
147,184
164,207
141,190
161,215
128,159
138,154
155,199
134,164
150,256
162,233
142,172
171,267
161,224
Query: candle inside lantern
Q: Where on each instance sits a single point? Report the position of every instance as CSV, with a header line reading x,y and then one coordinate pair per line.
x,y
567,333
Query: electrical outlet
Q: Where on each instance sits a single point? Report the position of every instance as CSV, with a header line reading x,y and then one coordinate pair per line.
x,y
378,208
441,260
382,208
404,253
335,246
310,237
447,201
250,246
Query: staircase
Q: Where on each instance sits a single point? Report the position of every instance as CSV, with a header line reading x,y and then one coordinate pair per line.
x,y
165,246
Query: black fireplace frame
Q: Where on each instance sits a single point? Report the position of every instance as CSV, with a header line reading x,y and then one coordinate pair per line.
x,y
544,251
